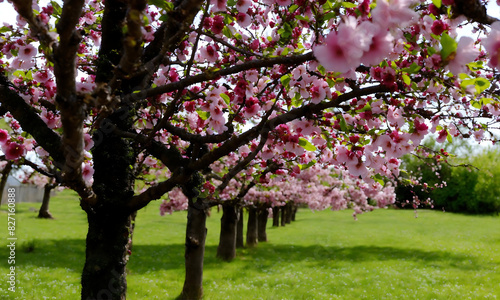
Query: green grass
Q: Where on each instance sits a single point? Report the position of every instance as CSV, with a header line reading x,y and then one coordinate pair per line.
x,y
386,254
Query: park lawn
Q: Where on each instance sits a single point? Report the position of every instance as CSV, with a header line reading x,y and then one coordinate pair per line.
x,y
386,254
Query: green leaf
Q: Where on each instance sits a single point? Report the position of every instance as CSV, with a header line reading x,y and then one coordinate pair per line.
x,y
297,100
349,5
343,124
449,138
378,178
306,144
413,69
226,98
437,3
57,8
204,115
365,108
448,46
482,84
285,80
293,8
406,79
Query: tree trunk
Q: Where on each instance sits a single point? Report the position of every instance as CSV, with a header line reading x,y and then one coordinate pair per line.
x,y
262,223
227,241
44,213
196,233
239,230
294,212
252,228
108,239
288,214
276,216
5,175
108,243
283,215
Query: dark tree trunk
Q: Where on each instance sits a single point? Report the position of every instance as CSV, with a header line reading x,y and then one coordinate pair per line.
x,y
5,175
283,215
196,233
110,220
252,228
262,224
44,213
227,241
239,230
276,216
294,212
288,214
104,273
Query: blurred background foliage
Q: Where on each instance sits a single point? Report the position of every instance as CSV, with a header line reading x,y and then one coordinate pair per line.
x,y
468,182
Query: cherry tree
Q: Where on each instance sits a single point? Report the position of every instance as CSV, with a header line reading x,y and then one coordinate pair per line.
x,y
104,88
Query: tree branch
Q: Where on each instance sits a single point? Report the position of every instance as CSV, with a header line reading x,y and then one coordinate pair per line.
x,y
206,76
474,10
31,122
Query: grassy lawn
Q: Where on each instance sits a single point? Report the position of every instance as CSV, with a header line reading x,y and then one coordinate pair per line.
x,y
386,254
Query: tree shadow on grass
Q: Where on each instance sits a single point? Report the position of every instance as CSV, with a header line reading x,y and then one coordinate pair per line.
x,y
70,254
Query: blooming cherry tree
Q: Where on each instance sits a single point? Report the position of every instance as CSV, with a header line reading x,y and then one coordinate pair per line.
x,y
128,101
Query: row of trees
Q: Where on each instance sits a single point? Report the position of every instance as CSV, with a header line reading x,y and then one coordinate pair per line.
x,y
106,91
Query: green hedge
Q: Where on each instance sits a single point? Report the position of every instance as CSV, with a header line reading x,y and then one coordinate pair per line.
x,y
471,189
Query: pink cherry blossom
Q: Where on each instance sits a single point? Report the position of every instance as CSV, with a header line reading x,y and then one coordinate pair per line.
x,y
27,52
243,5
4,136
243,19
392,13
492,45
466,53
13,150
88,173
209,53
381,44
219,5
343,48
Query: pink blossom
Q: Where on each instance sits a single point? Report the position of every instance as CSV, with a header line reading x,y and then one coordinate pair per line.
x,y
52,120
492,45
478,135
13,150
218,24
465,54
4,136
41,76
442,135
89,142
395,117
343,48
209,53
243,19
88,173
219,5
380,46
284,2
26,53
393,13
243,5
